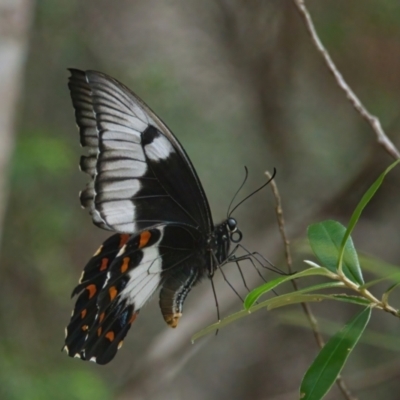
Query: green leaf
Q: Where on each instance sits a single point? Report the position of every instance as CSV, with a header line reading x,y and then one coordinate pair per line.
x,y
328,285
326,367
368,195
253,296
296,297
352,299
394,277
377,266
325,239
220,324
385,296
312,264
293,298
284,300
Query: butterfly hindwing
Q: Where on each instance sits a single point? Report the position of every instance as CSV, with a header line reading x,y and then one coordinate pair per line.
x,y
166,256
91,282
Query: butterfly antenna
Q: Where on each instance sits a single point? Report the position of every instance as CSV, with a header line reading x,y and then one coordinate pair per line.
x,y
253,193
237,192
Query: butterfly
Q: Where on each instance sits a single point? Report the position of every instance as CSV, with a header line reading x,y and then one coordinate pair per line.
x,y
144,188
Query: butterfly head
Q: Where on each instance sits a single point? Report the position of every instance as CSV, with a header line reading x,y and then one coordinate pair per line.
x,y
234,234
224,234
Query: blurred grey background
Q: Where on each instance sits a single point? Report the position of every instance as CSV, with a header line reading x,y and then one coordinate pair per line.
x,y
239,83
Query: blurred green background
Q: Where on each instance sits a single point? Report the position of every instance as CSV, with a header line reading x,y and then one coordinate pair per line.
x,y
239,83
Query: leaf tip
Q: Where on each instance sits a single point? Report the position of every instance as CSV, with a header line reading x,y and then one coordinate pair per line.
x,y
312,263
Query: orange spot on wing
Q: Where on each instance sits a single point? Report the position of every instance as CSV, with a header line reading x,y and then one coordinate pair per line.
x,y
92,290
125,264
110,336
104,264
123,238
85,327
83,313
144,238
112,292
134,316
99,331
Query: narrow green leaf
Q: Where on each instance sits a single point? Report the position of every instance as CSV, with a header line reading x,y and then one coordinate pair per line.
x,y
368,195
253,296
328,285
240,314
281,301
394,277
385,296
326,367
296,297
325,239
220,324
377,266
312,264
293,298
352,299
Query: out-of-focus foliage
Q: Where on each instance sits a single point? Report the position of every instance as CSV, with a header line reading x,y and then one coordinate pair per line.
x,y
240,84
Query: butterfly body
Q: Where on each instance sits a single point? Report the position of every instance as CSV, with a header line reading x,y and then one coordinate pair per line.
x,y
143,187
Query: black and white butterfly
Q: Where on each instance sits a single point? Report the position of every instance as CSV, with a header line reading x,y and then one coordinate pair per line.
x,y
144,187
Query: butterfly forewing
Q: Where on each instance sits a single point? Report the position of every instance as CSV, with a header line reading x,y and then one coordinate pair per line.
x,y
139,168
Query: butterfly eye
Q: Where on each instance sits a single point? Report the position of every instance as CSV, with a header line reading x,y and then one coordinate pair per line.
x,y
232,224
236,236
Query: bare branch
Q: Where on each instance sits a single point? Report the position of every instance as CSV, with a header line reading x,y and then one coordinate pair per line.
x,y
374,122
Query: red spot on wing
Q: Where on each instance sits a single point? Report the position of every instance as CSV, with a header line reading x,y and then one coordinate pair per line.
x,y
104,264
83,313
110,336
92,290
123,239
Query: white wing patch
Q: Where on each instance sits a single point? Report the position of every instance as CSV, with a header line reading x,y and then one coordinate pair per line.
x,y
145,278
119,214
159,149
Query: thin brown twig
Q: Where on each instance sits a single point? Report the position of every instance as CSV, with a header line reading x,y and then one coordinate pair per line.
x,y
306,307
373,121
281,224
